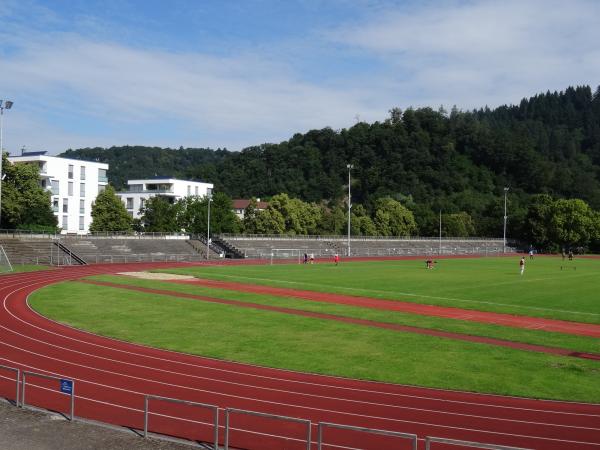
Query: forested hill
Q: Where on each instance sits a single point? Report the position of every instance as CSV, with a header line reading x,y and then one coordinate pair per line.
x,y
429,160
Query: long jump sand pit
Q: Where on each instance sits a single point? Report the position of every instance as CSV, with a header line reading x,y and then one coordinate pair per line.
x,y
157,276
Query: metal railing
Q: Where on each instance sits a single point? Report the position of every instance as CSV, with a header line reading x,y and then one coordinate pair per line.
x,y
321,426
18,377
395,434
228,411
213,408
353,238
49,377
430,440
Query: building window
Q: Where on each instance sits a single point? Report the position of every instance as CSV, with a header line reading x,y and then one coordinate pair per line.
x,y
82,173
70,171
129,202
82,189
55,186
130,213
81,223
209,192
102,176
81,206
101,188
189,190
142,202
55,205
196,190
70,188
65,205
65,222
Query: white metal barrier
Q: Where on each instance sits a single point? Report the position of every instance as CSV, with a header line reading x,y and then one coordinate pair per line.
x,y
228,411
396,434
215,410
62,382
18,373
430,440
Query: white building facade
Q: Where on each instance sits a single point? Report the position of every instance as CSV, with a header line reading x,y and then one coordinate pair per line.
x,y
172,189
74,185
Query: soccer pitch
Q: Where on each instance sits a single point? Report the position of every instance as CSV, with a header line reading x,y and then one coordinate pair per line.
x,y
243,332
549,287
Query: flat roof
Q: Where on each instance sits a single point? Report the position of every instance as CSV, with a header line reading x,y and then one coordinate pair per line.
x,y
165,178
40,156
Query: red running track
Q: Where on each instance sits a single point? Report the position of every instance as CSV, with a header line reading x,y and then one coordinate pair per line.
x,y
112,378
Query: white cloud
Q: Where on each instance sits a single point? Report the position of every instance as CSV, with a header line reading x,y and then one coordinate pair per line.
x,y
66,74
486,52
71,90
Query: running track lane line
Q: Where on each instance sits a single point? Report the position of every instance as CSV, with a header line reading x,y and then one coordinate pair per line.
x,y
369,323
453,394
527,322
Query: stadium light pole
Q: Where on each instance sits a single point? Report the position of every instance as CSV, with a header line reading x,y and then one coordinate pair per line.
x,y
3,105
349,167
505,217
208,229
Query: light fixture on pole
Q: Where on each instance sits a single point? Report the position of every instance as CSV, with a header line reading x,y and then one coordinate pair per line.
x,y
505,217
4,104
208,229
349,167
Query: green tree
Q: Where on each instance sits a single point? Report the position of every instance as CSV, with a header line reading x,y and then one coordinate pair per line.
x,y
193,216
270,221
573,223
25,204
109,213
160,215
361,224
393,219
538,221
299,217
250,217
457,225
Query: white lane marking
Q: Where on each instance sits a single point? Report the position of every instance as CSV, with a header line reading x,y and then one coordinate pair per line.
x,y
322,410
281,370
409,294
130,353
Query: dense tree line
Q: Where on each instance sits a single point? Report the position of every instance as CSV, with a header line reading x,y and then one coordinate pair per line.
x,y
428,160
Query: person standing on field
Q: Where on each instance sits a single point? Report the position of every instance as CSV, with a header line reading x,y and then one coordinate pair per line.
x,y
522,265
336,259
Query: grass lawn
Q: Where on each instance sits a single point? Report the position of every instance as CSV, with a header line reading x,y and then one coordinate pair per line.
x,y
485,284
300,343
551,339
27,268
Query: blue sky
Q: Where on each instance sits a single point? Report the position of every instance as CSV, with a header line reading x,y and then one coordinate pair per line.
x,y
231,74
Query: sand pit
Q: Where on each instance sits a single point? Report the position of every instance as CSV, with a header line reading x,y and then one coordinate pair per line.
x,y
157,276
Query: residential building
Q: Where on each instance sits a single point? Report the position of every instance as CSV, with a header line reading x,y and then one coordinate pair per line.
x,y
172,189
240,205
74,185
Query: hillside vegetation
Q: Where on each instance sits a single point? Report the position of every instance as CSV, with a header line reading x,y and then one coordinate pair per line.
x,y
429,160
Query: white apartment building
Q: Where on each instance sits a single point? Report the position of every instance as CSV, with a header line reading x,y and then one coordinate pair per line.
x,y
172,189
74,185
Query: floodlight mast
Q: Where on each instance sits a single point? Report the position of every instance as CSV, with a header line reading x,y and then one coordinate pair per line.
x,y
4,104
349,167
208,229
505,217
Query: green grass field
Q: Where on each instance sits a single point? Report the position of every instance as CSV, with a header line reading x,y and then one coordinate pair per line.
x,y
300,343
27,268
484,284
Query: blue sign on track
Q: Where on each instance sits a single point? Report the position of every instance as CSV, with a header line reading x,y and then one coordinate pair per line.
x,y
66,386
